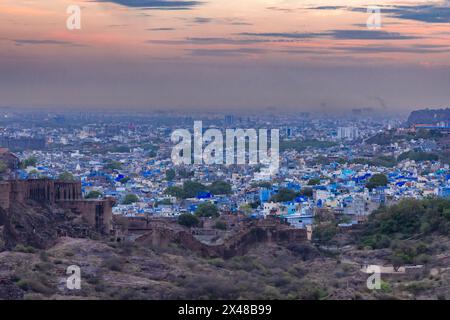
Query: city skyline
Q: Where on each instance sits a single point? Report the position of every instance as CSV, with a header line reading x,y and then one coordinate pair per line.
x,y
225,55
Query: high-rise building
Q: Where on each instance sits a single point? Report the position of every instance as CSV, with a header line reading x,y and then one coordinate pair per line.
x,y
347,133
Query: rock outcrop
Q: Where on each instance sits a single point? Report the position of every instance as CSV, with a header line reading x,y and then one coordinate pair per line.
x,y
39,226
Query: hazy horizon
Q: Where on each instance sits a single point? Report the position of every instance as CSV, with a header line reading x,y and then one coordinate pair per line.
x,y
225,55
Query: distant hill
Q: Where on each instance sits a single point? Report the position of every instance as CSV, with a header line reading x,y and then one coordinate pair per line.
x,y
429,116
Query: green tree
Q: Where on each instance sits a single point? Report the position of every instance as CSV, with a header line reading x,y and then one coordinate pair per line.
x,y
130,198
66,176
418,156
306,192
3,167
404,220
264,184
283,195
192,188
183,173
325,232
207,210
221,225
301,145
175,191
124,180
113,165
377,180
170,175
29,162
313,182
188,220
94,195
246,209
220,187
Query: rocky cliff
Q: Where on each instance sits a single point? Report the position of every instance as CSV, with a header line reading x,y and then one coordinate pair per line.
x,y
38,226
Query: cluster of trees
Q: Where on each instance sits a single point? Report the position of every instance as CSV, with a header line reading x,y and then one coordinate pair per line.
x,y
386,138
94,195
285,194
390,161
418,156
264,184
322,160
406,219
191,189
314,182
301,145
204,210
119,149
66,176
163,202
382,161
29,162
325,232
130,199
170,175
377,180
113,165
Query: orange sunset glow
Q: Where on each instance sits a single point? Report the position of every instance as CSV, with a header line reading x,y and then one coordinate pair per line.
x,y
229,54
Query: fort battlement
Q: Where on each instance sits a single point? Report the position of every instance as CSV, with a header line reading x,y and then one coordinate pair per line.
x,y
63,194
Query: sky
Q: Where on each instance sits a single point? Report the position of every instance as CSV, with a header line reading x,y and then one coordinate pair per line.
x,y
220,55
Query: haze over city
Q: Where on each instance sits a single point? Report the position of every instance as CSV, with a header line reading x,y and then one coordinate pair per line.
x,y
218,55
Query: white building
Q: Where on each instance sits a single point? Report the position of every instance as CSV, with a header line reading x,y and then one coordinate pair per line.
x,y
347,133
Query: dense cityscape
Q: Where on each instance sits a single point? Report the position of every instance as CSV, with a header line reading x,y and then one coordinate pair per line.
x,y
111,176
325,163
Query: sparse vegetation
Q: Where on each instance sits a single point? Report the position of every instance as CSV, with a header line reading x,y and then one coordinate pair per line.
x,y
188,220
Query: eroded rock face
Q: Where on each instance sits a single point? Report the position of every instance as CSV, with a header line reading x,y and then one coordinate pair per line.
x,y
38,226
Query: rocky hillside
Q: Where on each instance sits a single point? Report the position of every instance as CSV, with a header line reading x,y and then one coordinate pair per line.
x,y
39,226
33,265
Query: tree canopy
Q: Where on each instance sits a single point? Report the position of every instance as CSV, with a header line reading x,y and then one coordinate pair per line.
x,y
130,198
284,194
94,195
66,176
170,174
220,187
377,180
207,210
408,218
188,220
